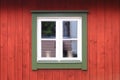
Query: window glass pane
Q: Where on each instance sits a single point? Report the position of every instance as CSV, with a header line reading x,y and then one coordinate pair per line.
x,y
48,48
48,29
69,48
69,29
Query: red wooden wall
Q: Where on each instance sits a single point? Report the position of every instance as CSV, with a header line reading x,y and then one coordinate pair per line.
x,y
103,39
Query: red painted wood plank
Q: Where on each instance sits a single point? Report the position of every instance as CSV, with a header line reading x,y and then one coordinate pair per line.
x,y
57,4
67,4
56,74
26,40
78,75
71,75
32,6
0,40
68,74
63,74
115,10
33,74
108,42
11,40
61,4
48,75
85,75
100,40
70,4
92,40
40,75
18,40
3,40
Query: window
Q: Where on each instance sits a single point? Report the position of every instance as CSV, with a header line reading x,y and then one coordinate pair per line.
x,y
59,40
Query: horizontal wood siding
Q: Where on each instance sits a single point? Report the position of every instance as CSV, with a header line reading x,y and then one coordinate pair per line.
x,y
103,39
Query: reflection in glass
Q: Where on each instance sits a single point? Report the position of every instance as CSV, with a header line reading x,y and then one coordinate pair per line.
x,y
70,29
69,48
48,48
48,29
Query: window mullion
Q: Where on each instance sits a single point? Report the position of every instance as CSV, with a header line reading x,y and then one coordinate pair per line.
x,y
61,39
58,40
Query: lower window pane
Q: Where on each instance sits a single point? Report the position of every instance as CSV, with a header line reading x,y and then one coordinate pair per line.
x,y
69,48
48,48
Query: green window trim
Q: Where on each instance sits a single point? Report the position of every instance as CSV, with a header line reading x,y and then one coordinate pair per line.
x,y
59,13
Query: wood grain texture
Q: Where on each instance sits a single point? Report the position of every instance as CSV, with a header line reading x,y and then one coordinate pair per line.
x,y
18,40
3,40
108,43
116,40
100,40
78,75
56,74
48,74
0,41
33,74
103,39
40,75
63,74
11,40
26,40
92,41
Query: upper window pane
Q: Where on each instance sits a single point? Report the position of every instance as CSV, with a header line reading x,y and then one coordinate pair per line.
x,y
48,29
69,29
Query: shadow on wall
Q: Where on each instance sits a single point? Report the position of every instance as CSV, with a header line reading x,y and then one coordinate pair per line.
x,y
44,4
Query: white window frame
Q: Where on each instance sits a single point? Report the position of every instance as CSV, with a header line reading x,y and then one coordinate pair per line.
x,y
59,38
